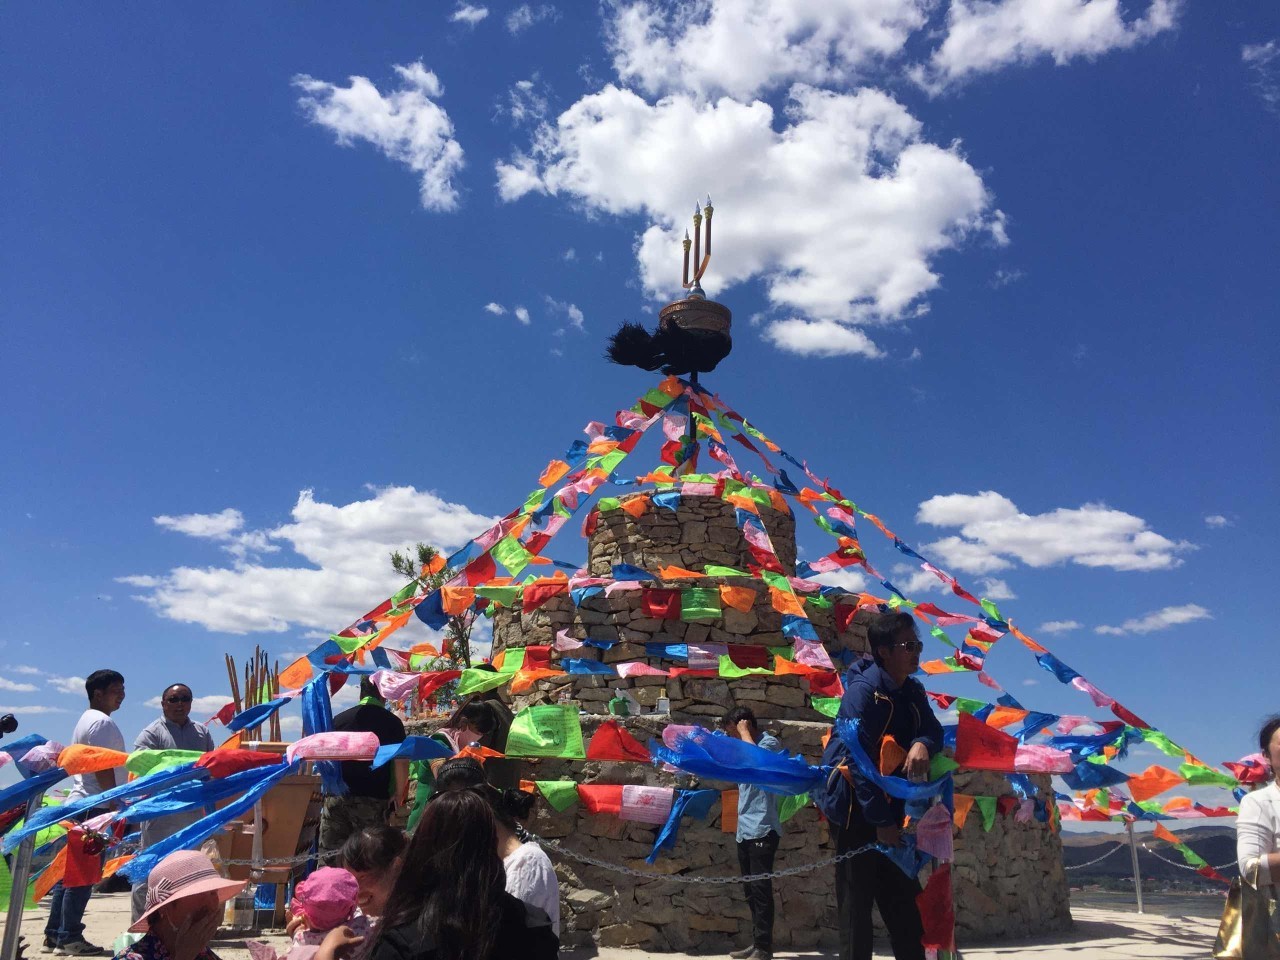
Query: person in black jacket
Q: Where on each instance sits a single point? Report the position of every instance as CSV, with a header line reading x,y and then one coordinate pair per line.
x,y
882,694
449,901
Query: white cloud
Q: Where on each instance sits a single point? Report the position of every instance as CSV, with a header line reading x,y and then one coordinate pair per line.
x,y
995,589
1218,520
1263,59
522,314
406,125
214,526
526,102
1029,682
73,685
201,707
1004,277
27,671
290,724
344,569
13,687
496,309
994,533
570,255
20,711
839,212
821,338
468,14
1159,620
570,310
525,16
743,48
1060,626
985,35
854,581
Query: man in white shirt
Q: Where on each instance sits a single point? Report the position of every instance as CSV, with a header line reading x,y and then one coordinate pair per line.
x,y
64,931
175,730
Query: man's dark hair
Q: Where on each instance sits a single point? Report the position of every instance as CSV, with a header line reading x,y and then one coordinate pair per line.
x,y
1268,731
374,849
172,686
737,714
885,630
369,689
466,773
479,715
100,680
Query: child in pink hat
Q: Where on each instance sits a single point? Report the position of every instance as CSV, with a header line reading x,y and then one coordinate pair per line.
x,y
321,903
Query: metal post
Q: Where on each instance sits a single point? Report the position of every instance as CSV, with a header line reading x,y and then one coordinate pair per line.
x,y
1137,873
20,874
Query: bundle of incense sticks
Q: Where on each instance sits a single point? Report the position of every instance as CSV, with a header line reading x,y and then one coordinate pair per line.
x,y
261,685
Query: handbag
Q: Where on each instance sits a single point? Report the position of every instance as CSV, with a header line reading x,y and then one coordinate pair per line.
x,y
1246,932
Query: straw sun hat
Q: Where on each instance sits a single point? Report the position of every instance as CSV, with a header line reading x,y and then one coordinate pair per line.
x,y
183,873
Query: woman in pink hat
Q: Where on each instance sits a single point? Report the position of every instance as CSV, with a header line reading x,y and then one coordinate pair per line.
x,y
185,895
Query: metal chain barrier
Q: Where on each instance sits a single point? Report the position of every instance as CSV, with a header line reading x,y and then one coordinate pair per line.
x,y
1185,866
273,862
1077,866
554,846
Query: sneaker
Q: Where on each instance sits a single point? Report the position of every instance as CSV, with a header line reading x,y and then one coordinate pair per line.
x,y
80,948
744,953
49,945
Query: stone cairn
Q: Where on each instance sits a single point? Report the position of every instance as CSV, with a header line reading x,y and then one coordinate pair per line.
x,y
1008,882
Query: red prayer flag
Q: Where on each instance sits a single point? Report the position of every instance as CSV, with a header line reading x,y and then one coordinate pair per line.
x,y
538,593
661,604
225,714
84,860
612,742
980,747
937,912
223,763
601,798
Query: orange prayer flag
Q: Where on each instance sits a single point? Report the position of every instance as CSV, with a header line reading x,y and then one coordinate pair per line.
x,y
746,503
480,753
114,864
892,756
554,471
433,566
740,598
782,666
935,666
778,500
1152,781
1002,716
963,804
635,506
786,602
1163,833
729,811
524,679
671,386
51,874
1110,752
455,600
296,674
601,446
81,758
883,529
1178,803
428,649
1027,641
868,600
232,742
528,786
678,573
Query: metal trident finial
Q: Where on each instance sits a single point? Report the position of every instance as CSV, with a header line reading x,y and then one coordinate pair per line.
x,y
700,260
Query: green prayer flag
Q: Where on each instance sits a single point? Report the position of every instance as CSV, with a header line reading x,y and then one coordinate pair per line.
x,y
788,807
941,634
142,762
656,398
775,580
819,601
404,593
511,553
533,501
786,653
700,603
512,661
965,705
827,706
939,764
712,570
475,680
6,887
992,610
1201,776
987,807
502,596
561,794
731,671
608,504
550,730
347,644
1164,744
610,461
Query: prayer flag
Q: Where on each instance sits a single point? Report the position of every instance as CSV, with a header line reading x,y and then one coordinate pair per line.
x,y
550,730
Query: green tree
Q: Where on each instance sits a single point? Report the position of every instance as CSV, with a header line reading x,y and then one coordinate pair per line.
x,y
414,564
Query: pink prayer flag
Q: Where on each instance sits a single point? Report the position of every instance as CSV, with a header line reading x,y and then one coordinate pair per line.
x,y
673,733
395,686
594,430
1038,758
1025,810
812,654
639,669
42,758
933,832
646,804
575,582
1097,696
706,656
622,586
1068,723
674,426
333,745
984,678
698,489
566,642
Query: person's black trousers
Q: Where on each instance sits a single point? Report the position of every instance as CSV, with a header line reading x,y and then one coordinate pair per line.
x,y
756,856
870,878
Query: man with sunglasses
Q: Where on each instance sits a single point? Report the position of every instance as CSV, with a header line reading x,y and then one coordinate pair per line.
x,y
174,730
892,706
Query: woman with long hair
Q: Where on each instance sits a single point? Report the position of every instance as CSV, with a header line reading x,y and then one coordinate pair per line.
x,y
530,875
449,901
1258,825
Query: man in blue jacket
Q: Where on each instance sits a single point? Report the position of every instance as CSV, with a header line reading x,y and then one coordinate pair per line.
x,y
882,694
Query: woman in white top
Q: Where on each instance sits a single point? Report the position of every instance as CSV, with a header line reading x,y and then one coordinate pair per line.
x,y
1258,825
530,875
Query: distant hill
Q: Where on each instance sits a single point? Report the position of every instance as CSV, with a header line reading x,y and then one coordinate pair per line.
x,y
1215,843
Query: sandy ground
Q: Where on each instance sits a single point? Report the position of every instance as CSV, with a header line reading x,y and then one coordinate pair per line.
x,y
1098,935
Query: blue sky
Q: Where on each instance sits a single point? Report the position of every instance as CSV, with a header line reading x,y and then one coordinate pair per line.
x,y
1005,272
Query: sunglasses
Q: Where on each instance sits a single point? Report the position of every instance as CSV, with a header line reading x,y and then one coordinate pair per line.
x,y
177,699
913,645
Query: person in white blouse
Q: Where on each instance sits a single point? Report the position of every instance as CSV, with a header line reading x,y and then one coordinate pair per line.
x,y
530,875
1258,824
